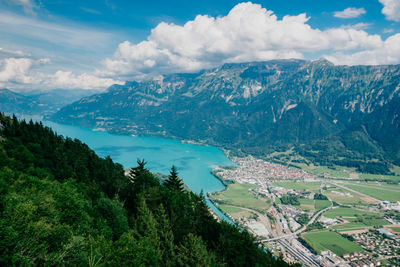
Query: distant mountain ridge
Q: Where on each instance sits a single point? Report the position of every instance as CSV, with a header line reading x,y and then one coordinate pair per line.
x,y
346,115
39,102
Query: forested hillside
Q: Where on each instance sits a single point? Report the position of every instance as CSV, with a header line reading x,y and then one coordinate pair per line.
x,y
63,205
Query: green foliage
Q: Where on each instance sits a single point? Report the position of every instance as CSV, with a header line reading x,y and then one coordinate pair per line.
x,y
290,200
315,225
60,204
320,196
174,182
303,218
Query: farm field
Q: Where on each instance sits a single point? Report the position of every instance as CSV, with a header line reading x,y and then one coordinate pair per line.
x,y
235,212
356,219
375,185
346,212
339,195
395,229
299,186
380,177
322,240
239,195
310,204
321,204
306,204
350,226
381,194
339,172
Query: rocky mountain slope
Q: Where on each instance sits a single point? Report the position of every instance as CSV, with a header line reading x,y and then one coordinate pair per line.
x,y
329,114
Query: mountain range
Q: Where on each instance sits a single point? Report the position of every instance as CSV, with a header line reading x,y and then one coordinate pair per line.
x,y
329,114
39,103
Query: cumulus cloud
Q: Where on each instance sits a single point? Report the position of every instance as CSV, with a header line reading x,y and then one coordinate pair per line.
x,y
66,79
387,53
22,73
391,9
350,12
248,33
17,70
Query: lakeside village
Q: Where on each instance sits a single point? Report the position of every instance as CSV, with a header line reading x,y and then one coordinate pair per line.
x,y
310,219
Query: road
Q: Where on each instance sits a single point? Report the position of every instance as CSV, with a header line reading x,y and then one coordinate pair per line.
x,y
315,216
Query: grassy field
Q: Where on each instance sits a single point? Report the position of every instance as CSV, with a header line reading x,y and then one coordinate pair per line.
x,y
395,229
343,199
350,226
381,194
322,240
355,218
346,212
239,195
299,186
309,204
321,204
377,176
375,185
306,204
235,212
339,172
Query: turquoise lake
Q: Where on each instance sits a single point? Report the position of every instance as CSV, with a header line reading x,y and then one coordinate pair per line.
x,y
194,162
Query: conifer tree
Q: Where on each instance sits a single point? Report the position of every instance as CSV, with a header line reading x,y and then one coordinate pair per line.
x,y
174,183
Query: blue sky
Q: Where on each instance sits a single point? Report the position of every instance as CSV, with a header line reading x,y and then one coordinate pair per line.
x,y
93,44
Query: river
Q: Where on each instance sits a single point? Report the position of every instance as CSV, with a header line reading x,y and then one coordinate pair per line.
x,y
194,162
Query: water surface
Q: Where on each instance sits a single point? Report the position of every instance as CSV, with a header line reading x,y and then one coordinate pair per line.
x,y
193,162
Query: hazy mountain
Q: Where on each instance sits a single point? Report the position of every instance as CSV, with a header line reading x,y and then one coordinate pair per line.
x,y
330,114
39,102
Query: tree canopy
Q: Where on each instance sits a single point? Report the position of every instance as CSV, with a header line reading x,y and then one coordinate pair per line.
x,y
61,204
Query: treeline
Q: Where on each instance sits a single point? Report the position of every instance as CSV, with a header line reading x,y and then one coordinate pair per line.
x,y
290,200
61,204
320,196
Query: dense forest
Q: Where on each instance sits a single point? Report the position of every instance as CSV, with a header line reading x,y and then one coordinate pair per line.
x,y
63,205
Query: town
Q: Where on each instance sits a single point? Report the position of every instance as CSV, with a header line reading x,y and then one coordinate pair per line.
x,y
310,219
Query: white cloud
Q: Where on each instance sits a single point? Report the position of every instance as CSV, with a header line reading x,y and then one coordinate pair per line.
x,y
248,33
350,12
357,26
387,53
21,73
16,70
10,52
66,79
391,9
28,5
386,30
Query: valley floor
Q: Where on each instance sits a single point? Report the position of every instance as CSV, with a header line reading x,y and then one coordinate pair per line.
x,y
314,217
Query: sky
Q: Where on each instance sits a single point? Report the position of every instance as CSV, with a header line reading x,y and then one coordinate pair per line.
x,y
92,44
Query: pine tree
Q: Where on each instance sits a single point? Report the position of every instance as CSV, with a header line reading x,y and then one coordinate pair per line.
x,y
174,183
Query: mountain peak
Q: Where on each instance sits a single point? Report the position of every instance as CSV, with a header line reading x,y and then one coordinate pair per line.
x,y
322,62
